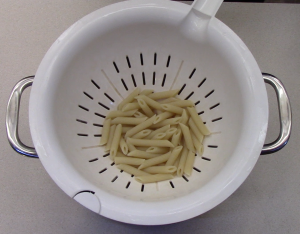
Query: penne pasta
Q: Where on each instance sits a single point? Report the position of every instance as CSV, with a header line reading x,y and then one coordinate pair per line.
x,y
142,148
157,150
184,117
105,131
169,133
132,170
129,98
128,120
163,94
125,129
139,115
195,130
174,155
146,92
141,126
162,116
159,136
131,106
118,113
162,129
198,121
168,100
188,167
130,146
142,134
144,142
151,102
142,154
153,178
110,138
183,156
187,137
155,161
171,108
160,169
120,154
183,103
176,138
123,146
116,141
171,121
198,146
145,107
129,161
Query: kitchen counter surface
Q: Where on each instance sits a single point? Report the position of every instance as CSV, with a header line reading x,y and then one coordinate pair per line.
x,y
267,202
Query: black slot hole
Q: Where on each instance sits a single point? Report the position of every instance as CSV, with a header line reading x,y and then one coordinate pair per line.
x,y
102,116
182,88
116,67
101,104
97,135
142,188
172,185
114,179
144,79
124,84
153,80
186,179
98,125
133,80
81,121
94,83
105,155
191,94
201,112
211,92
93,160
164,79
197,103
112,164
196,169
103,170
214,106
217,119
142,61
89,96
201,83
128,184
168,62
207,159
155,56
109,97
191,75
83,108
212,146
128,62
82,134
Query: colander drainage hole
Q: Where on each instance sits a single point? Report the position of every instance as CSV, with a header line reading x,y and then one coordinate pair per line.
x,y
153,79
101,104
105,155
196,103
207,159
103,170
155,56
83,108
141,57
106,95
172,185
128,62
196,169
93,160
142,188
121,171
102,116
128,184
202,82
191,94
133,80
89,96
81,121
211,92
82,134
112,164
217,119
94,83
144,78
97,135
164,79
191,75
116,67
201,112
114,179
214,106
212,146
186,179
168,62
132,175
182,88
98,125
124,84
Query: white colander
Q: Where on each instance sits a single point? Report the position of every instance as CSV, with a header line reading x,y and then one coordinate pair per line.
x,y
158,45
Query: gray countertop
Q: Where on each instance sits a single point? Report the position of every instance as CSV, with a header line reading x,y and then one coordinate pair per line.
x,y
267,202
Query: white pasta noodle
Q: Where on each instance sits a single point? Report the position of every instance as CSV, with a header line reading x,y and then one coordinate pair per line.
x,y
183,156
157,150
142,148
116,141
123,146
188,167
159,130
132,170
129,161
146,92
131,106
163,116
171,121
151,102
160,169
155,161
131,147
145,142
128,120
120,154
110,138
126,129
163,94
129,98
195,130
169,133
139,115
171,108
198,121
168,100
142,154
142,134
184,117
141,126
153,178
183,103
174,155
198,146
159,136
176,138
187,137
105,132
145,107
118,113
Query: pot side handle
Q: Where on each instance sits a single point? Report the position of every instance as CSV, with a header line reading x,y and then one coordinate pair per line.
x,y
12,118
285,115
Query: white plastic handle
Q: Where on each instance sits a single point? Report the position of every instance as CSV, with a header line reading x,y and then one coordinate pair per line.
x,y
207,7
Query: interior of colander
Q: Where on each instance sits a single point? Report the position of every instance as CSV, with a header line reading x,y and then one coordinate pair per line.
x,y
101,62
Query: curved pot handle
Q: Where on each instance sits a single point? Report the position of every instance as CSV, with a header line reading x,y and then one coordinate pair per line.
x,y
12,118
285,115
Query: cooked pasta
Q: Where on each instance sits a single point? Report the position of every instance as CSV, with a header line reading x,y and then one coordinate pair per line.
x,y
175,153
129,161
188,167
123,146
159,136
105,132
110,138
164,94
163,116
153,178
171,108
187,137
132,170
197,120
157,150
151,102
196,131
142,134
160,169
116,141
159,130
183,103
155,161
144,142
131,106
144,106
183,156
118,113
176,137
142,154
139,127
129,98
